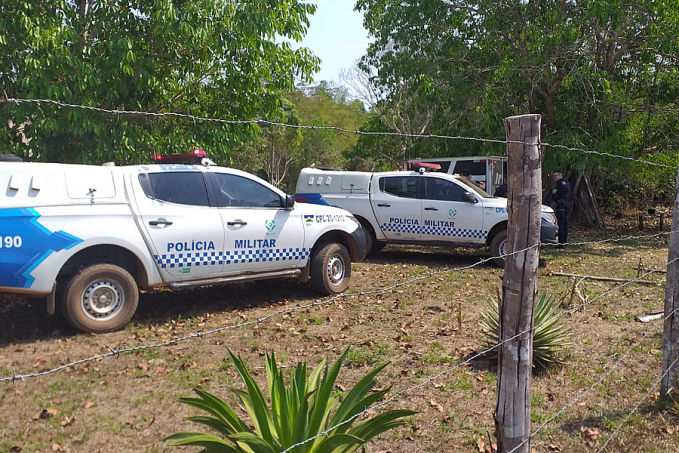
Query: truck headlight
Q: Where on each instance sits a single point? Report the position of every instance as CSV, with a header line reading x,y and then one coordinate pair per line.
x,y
549,217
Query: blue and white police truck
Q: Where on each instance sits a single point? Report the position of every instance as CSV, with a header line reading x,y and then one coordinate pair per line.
x,y
417,207
88,237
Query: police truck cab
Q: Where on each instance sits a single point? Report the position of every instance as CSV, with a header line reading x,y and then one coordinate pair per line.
x,y
88,237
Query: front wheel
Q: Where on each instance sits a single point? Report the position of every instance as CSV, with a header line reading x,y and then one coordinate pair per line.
x,y
331,269
101,298
498,248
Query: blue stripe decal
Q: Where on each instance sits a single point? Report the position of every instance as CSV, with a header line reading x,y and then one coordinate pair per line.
x,y
25,244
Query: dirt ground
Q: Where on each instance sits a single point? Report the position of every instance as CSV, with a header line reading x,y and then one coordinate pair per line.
x,y
130,403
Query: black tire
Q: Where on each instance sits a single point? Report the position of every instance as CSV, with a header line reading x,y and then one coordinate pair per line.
x,y
378,246
113,286
498,248
331,269
369,240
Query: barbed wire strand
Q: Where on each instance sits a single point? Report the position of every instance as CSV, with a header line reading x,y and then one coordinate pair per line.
x,y
582,394
174,341
118,113
201,334
469,359
636,408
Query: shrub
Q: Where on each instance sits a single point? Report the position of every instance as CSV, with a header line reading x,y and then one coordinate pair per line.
x,y
550,336
298,412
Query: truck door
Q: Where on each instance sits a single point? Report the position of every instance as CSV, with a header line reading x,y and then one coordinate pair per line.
x,y
185,231
259,233
446,216
396,204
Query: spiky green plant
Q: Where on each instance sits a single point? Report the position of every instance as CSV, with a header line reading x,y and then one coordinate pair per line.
x,y
550,336
297,413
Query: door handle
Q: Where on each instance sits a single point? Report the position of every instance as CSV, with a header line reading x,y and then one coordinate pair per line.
x,y
236,223
160,222
383,205
430,209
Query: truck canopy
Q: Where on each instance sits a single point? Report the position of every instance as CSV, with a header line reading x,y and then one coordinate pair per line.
x,y
317,181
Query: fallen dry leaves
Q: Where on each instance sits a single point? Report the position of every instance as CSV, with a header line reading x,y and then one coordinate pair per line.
x,y
484,447
589,435
669,429
436,406
67,421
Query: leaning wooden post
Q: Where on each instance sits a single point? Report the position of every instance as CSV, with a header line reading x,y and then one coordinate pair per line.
x,y
670,339
519,285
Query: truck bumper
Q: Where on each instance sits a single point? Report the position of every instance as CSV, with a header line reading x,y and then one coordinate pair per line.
x,y
359,239
548,233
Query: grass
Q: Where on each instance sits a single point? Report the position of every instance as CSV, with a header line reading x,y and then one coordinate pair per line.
x,y
414,327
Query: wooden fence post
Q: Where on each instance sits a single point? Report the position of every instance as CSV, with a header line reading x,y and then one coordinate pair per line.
x,y
671,328
519,285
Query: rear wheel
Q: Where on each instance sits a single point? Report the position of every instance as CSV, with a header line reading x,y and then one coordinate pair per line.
x,y
331,269
498,248
369,241
378,246
372,245
101,298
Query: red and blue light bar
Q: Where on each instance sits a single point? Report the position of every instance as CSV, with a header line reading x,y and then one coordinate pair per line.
x,y
194,157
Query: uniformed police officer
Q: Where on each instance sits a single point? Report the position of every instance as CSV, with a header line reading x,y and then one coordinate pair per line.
x,y
562,196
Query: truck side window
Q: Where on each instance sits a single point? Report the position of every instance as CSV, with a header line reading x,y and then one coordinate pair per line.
x,y
400,186
244,192
443,190
176,187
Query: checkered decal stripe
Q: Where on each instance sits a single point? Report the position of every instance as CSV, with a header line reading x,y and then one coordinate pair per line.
x,y
172,260
434,231
396,227
249,256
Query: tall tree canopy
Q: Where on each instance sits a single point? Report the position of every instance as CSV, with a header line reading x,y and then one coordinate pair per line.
x,y
603,73
215,58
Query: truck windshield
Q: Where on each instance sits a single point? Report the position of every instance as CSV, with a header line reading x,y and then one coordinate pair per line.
x,y
474,188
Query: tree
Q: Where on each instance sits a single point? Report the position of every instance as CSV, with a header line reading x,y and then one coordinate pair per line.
x,y
214,58
275,150
280,152
602,73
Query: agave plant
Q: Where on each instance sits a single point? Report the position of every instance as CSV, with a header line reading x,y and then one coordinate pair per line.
x,y
304,410
550,337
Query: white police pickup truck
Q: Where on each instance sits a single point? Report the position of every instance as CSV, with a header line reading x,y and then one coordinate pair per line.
x,y
88,237
410,207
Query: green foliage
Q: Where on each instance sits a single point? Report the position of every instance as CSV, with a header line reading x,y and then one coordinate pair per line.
x,y
550,336
213,58
281,152
300,411
602,74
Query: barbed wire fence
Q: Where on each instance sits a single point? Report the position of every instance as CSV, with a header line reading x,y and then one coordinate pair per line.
x,y
263,122
115,352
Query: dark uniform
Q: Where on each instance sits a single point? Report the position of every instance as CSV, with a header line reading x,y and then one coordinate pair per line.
x,y
563,208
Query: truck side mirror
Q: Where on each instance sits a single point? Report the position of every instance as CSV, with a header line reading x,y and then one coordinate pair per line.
x,y
468,197
289,202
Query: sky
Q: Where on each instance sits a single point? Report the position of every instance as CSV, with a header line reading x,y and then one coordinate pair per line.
x,y
336,35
